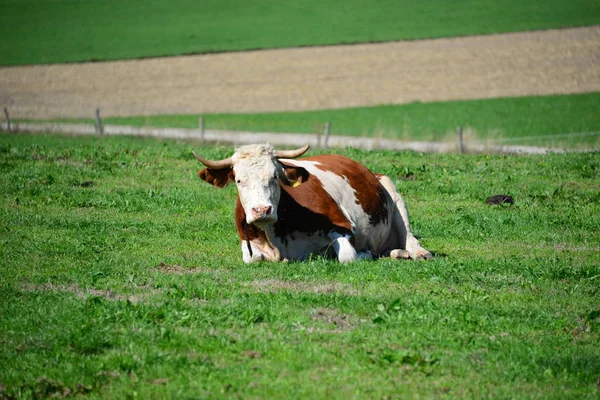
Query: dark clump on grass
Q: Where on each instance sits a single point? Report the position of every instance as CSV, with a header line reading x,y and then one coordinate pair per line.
x,y
43,388
338,321
85,184
499,199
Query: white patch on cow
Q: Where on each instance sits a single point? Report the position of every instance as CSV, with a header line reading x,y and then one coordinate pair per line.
x,y
343,248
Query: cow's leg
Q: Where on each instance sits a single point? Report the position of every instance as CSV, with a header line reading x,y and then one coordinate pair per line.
x,y
344,250
414,248
256,253
401,225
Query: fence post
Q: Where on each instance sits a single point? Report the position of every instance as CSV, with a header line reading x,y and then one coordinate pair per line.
x,y
459,133
99,128
7,119
327,131
201,126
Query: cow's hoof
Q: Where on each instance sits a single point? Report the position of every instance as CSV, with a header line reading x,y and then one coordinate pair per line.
x,y
399,254
423,255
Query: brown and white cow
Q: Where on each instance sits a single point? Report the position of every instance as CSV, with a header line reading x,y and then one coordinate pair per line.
x,y
289,209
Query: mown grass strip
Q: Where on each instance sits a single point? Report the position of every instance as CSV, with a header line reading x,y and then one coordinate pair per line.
x,y
36,31
533,120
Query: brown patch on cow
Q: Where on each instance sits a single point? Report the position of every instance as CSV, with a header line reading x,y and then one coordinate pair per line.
x,y
310,209
370,194
217,177
276,285
245,231
81,293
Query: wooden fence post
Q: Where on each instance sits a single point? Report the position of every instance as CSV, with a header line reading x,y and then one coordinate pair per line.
x,y
327,132
459,133
201,126
99,128
8,128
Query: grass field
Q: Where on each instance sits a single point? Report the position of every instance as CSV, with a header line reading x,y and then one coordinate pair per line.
x,y
524,120
121,277
37,31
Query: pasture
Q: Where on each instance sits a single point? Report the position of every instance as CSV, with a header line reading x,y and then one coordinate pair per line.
x,y
41,32
121,277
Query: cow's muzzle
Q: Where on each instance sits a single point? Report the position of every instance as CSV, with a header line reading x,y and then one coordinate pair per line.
x,y
262,214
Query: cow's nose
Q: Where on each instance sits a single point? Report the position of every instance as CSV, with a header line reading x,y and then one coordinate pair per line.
x,y
262,211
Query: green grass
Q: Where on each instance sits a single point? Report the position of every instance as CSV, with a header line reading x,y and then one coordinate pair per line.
x,y
37,31
121,277
523,120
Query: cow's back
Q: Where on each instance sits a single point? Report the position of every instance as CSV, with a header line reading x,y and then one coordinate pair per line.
x,y
356,192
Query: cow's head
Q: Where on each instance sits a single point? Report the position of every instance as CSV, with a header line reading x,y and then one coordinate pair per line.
x,y
258,174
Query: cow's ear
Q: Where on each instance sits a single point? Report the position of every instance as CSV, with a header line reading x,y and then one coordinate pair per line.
x,y
294,176
217,177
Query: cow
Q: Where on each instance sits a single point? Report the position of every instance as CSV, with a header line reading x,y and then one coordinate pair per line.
x,y
289,208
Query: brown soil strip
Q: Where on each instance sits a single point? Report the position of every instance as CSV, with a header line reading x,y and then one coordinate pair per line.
x,y
276,285
81,293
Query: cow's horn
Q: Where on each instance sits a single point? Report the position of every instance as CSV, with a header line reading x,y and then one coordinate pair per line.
x,y
292,153
226,163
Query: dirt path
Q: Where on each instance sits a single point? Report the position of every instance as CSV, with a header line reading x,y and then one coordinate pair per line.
x,y
530,63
